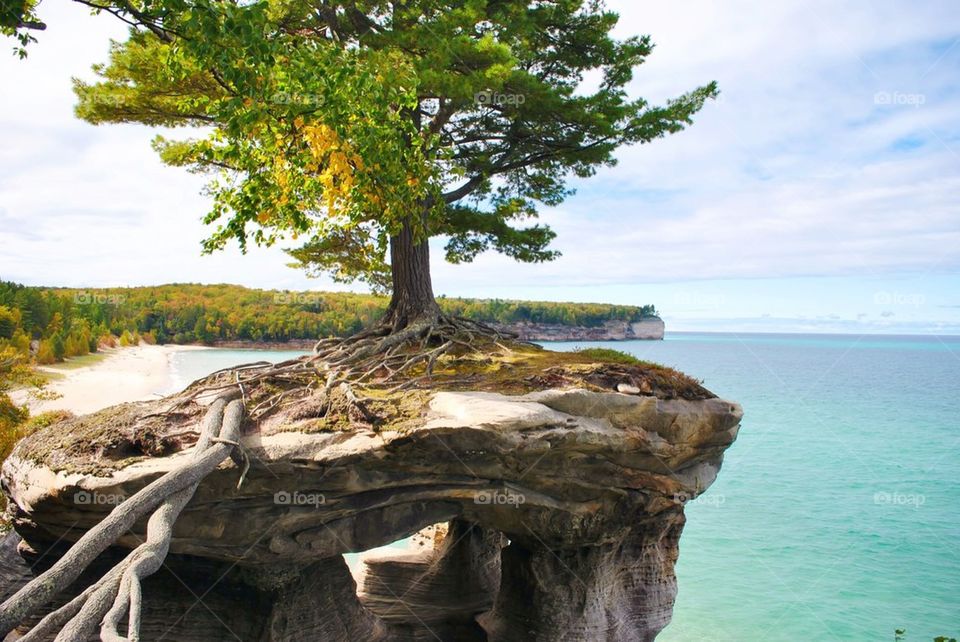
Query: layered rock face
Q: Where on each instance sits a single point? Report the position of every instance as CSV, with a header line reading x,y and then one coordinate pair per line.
x,y
565,510
651,328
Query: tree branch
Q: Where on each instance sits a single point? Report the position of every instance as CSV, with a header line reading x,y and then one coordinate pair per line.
x,y
31,24
140,19
464,190
444,114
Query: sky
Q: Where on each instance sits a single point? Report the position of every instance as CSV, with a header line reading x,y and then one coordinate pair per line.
x,y
819,193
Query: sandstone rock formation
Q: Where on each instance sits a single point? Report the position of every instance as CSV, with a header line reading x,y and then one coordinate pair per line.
x,y
565,505
649,328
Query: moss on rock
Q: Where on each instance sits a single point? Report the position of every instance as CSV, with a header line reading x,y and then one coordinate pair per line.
x,y
109,439
527,368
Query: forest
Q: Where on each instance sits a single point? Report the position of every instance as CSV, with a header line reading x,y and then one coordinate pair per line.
x,y
61,322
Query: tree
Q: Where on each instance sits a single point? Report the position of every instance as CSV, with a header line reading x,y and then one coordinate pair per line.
x,y
366,128
9,321
369,127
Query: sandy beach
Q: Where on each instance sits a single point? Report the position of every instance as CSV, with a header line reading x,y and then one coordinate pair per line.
x,y
125,374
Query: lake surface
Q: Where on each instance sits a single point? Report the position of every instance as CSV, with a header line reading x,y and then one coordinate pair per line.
x,y
837,513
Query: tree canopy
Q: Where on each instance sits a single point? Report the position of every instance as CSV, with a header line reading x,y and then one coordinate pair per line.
x,y
339,123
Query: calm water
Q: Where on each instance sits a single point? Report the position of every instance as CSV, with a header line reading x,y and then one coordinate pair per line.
x,y
837,513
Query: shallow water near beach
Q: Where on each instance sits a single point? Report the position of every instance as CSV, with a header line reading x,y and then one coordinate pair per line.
x,y
837,513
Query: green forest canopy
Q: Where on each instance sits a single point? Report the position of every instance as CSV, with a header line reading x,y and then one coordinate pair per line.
x,y
72,321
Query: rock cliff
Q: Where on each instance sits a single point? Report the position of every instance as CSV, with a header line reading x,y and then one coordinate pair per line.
x,y
565,507
649,328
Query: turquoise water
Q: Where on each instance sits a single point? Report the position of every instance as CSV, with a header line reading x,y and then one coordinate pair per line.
x,y
837,513
190,365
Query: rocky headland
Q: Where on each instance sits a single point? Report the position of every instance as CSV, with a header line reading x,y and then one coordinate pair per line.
x,y
563,480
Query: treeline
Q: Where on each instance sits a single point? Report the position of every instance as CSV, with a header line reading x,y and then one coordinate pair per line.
x,y
60,323
45,325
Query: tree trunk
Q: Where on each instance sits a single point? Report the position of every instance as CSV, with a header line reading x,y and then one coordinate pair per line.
x,y
412,298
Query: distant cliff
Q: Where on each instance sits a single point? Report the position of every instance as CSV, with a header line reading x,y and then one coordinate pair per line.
x,y
649,328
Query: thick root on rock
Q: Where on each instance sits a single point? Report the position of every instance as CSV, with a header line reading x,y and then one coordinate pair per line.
x,y
119,589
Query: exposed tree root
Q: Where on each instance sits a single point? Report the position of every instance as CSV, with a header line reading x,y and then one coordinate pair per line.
x,y
343,368
385,358
119,589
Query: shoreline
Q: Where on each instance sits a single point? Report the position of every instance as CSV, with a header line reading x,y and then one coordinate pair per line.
x,y
243,344
137,373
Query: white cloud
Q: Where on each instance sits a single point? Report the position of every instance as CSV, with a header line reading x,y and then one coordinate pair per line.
x,y
797,170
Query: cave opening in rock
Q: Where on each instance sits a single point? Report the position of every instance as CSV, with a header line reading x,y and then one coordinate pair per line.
x,y
434,583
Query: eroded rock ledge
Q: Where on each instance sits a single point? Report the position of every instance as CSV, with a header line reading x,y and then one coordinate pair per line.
x,y
566,507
